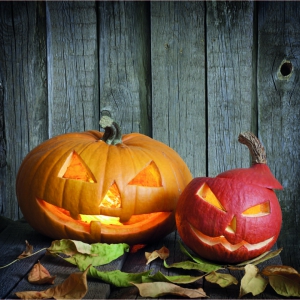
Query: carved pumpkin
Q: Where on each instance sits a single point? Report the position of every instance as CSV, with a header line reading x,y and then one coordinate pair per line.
x,y
235,216
102,187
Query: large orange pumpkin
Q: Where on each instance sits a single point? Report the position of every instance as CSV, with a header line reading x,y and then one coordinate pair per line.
x,y
102,187
235,216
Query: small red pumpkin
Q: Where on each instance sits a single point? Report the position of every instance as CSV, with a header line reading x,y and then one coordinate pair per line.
x,y
235,216
102,187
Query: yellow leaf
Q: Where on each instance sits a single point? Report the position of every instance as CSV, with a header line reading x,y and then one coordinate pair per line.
x,y
252,282
222,279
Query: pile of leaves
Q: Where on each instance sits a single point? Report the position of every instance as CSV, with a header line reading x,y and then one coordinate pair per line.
x,y
283,279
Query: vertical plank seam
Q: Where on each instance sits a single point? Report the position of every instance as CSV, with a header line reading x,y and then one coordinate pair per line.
x,y
206,90
255,112
49,64
98,30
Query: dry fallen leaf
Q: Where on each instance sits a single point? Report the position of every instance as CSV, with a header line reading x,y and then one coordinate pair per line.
x,y
162,253
27,252
40,275
222,279
74,287
158,289
284,280
252,282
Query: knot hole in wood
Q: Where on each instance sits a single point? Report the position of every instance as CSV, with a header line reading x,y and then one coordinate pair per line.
x,y
285,70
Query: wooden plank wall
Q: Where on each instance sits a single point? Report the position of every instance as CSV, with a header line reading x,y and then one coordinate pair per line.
x,y
190,74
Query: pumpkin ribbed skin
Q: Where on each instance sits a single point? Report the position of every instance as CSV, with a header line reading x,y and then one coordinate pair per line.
x,y
39,184
202,226
235,216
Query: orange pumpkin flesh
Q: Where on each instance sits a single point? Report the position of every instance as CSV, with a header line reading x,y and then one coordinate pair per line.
x,y
233,217
80,187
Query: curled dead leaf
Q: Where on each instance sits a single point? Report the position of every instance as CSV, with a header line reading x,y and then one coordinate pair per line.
x,y
284,280
40,275
222,279
163,253
158,289
27,252
252,282
271,270
74,287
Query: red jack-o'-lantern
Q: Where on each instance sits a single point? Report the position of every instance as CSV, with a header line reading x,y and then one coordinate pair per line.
x,y
235,216
102,187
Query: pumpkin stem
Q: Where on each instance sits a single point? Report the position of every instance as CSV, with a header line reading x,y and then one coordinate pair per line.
x,y
257,150
112,134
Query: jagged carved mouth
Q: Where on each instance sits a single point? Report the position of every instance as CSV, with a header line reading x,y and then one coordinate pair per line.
x,y
211,241
88,222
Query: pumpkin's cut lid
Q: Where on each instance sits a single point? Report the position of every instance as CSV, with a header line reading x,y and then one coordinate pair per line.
x,y
258,174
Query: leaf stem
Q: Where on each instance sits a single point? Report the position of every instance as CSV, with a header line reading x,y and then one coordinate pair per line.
x,y
2,267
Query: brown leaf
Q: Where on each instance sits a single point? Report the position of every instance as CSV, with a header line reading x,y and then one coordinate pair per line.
x,y
162,253
27,252
40,275
74,287
33,295
284,280
271,270
158,289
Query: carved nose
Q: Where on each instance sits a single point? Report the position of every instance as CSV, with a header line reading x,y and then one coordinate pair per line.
x,y
231,227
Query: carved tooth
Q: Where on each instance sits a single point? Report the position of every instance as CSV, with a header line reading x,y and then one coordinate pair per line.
x,y
95,230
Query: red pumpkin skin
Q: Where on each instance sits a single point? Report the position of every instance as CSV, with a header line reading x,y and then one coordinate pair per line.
x,y
237,190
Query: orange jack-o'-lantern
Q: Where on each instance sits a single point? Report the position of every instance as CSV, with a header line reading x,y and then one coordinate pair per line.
x,y
235,216
102,187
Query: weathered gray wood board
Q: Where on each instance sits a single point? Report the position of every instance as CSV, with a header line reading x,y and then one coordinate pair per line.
x,y
73,100
124,64
229,47
279,111
190,74
178,79
23,80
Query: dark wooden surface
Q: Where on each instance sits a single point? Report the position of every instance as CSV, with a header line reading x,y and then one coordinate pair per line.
x,y
192,74
14,278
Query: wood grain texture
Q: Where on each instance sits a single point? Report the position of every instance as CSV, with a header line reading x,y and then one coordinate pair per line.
x,y
12,244
14,278
229,83
23,90
178,79
190,74
279,112
72,66
124,64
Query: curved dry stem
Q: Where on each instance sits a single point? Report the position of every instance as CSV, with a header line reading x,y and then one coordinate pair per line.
x,y
255,147
112,134
2,267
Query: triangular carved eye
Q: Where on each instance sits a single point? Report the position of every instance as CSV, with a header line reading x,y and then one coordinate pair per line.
x,y
75,168
149,176
112,198
258,210
206,194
